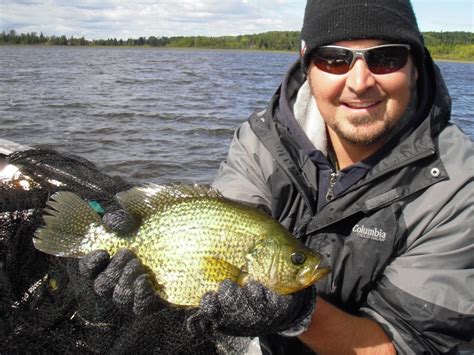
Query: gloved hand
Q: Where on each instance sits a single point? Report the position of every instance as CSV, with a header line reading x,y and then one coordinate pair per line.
x,y
122,279
120,221
252,310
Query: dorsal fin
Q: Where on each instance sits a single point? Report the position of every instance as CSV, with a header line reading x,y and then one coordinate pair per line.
x,y
144,200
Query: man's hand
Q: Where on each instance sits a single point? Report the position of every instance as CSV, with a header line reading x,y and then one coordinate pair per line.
x,y
120,221
252,310
348,334
122,279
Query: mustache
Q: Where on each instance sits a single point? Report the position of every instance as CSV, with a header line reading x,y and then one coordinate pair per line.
x,y
373,94
361,98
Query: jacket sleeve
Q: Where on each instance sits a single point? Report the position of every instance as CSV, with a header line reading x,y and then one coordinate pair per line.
x,y
243,176
425,298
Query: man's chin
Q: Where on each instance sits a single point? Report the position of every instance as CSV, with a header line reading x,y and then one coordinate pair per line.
x,y
365,136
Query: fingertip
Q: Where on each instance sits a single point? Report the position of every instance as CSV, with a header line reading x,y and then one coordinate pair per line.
x,y
256,288
124,254
227,284
143,281
207,297
121,258
209,304
100,254
133,266
93,263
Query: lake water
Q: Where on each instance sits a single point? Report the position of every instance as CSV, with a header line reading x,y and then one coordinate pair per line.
x,y
152,115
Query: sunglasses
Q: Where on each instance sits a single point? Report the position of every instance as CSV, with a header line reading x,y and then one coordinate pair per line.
x,y
384,59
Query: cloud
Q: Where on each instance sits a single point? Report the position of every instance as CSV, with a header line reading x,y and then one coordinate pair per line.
x,y
116,18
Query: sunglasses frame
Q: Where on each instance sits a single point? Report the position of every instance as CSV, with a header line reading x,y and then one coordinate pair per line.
x,y
360,53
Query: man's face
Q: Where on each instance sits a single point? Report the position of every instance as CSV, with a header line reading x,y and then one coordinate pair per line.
x,y
360,107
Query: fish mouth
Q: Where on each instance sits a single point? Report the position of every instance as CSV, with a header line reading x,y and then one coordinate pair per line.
x,y
309,275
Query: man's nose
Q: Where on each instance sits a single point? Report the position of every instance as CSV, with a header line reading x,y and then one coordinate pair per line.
x,y
359,78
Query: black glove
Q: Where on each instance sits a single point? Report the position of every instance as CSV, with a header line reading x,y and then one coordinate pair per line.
x,y
252,310
121,221
122,279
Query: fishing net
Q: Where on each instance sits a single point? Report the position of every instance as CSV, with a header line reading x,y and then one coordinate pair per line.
x,y
45,306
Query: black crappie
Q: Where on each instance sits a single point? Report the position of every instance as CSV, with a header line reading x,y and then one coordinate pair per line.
x,y
191,238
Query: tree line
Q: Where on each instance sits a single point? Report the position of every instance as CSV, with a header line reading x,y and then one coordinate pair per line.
x,y
454,45
268,40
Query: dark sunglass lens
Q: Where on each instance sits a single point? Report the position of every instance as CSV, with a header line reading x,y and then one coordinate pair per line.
x,y
332,60
386,60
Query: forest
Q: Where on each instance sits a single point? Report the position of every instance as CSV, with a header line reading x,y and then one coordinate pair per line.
x,y
442,45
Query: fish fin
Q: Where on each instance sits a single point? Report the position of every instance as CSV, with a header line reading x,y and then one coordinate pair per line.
x,y
67,220
217,270
143,201
182,191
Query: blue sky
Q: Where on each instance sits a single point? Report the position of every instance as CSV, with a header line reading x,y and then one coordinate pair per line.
x,y
131,19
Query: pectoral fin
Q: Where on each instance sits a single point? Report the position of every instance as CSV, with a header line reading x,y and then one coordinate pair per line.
x,y
218,270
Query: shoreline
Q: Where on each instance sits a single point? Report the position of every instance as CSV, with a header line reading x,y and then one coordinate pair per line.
x,y
467,61
440,59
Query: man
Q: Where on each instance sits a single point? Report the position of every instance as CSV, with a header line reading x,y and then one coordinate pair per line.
x,y
355,154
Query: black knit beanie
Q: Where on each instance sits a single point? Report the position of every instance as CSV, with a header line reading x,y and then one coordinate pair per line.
x,y
329,21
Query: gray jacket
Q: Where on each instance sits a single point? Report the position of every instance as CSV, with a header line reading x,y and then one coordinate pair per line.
x,y
399,240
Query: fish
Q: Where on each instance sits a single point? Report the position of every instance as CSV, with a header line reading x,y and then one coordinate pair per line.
x,y
190,238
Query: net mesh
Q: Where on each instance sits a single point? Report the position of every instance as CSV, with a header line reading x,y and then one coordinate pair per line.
x,y
45,306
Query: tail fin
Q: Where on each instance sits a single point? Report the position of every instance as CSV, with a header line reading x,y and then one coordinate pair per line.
x,y
68,221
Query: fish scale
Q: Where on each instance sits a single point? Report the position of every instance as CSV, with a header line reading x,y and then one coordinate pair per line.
x,y
197,236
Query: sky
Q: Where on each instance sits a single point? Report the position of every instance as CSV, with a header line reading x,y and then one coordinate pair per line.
x,y
143,18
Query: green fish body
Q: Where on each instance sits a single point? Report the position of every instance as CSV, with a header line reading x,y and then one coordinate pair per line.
x,y
190,238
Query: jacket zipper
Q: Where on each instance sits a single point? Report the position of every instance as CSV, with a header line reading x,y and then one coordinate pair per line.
x,y
332,182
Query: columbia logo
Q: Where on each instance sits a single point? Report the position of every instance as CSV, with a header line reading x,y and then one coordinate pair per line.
x,y
369,233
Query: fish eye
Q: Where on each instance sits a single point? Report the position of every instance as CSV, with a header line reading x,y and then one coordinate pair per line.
x,y
298,258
